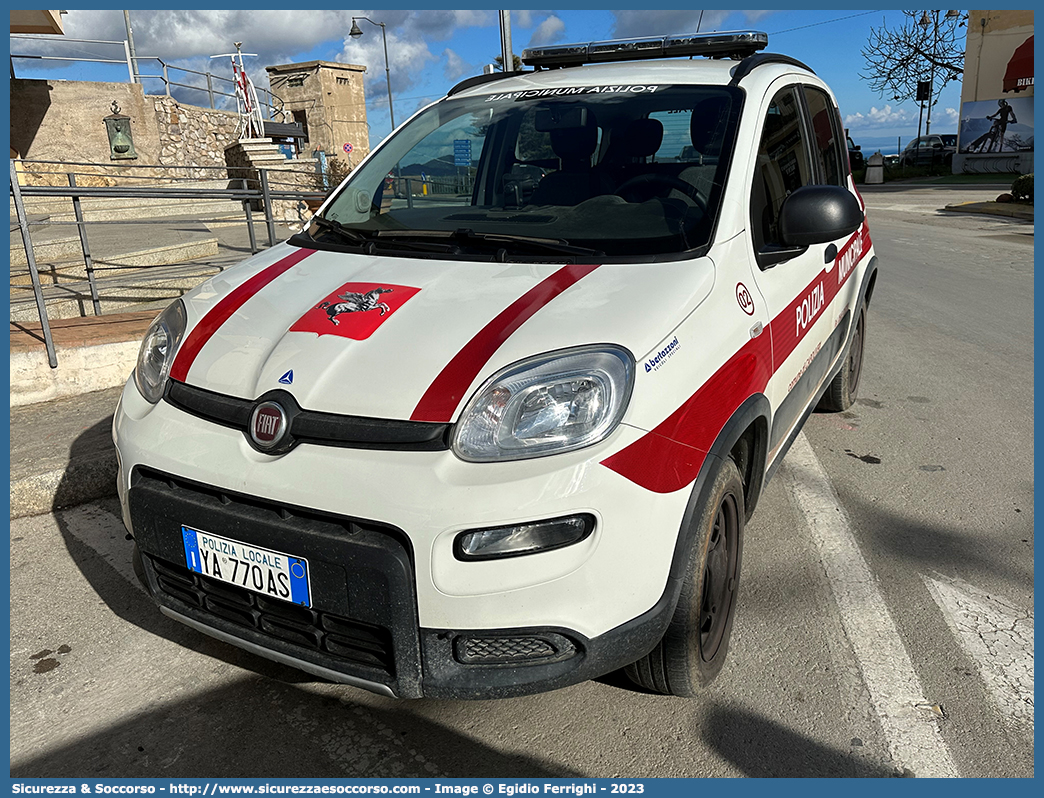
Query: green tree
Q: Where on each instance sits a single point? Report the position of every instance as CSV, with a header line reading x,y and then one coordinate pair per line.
x,y
499,61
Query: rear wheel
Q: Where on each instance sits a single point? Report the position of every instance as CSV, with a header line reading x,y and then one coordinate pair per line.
x,y
843,389
693,649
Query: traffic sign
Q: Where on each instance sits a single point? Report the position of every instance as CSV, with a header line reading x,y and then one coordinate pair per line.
x,y
348,147
462,152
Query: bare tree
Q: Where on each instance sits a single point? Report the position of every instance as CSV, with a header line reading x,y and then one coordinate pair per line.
x,y
928,46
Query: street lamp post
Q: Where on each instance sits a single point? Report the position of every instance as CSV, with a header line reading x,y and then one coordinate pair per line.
x,y
924,22
355,33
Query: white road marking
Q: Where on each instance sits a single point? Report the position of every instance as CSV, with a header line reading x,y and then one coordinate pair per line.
x,y
914,741
998,636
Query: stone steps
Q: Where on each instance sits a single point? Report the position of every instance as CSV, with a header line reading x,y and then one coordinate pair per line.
x,y
62,254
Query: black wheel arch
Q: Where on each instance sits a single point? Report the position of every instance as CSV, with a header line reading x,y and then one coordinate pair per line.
x,y
747,434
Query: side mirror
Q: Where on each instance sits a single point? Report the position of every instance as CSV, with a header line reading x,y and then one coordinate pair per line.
x,y
817,215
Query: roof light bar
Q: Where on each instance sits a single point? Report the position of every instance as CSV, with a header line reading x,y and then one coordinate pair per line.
x,y
725,44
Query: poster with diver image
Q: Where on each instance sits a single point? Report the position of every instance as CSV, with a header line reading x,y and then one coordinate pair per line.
x,y
995,126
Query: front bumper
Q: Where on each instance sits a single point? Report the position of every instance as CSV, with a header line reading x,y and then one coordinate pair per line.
x,y
362,628
380,526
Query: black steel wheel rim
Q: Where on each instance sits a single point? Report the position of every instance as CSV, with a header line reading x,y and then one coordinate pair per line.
x,y
855,357
719,577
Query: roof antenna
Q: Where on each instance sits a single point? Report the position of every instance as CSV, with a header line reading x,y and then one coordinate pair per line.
x,y
698,23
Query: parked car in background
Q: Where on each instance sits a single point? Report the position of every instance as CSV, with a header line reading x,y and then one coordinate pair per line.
x,y
855,154
928,150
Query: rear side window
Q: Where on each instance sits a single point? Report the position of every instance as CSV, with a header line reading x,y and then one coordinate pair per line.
x,y
826,134
676,145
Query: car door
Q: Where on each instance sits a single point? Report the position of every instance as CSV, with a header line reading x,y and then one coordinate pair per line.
x,y
800,145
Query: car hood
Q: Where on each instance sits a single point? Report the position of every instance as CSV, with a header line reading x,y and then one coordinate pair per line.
x,y
408,338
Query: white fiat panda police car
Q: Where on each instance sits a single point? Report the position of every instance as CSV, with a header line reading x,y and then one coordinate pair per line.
x,y
494,422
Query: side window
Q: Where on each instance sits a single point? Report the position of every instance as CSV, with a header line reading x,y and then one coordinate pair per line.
x,y
782,167
434,170
675,145
532,144
827,137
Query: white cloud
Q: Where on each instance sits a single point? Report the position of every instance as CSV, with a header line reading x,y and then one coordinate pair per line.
x,y
651,23
951,116
877,118
408,33
407,59
177,34
548,32
456,67
525,19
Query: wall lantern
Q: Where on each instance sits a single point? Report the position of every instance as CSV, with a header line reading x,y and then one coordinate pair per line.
x,y
117,125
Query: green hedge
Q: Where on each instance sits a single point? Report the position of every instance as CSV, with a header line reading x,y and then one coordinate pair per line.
x,y
1022,188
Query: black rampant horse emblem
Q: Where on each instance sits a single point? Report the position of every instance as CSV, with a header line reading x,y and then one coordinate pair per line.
x,y
355,303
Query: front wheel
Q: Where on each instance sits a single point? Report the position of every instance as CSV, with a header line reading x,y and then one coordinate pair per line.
x,y
693,649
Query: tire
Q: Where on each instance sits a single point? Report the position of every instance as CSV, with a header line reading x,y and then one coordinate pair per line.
x,y
843,389
693,649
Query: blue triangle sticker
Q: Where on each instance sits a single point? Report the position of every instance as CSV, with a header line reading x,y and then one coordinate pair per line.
x,y
288,378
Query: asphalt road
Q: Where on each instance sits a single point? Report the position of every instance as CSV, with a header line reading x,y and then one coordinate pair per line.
x,y
884,625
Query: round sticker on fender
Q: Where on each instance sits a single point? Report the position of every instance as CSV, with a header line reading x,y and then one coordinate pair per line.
x,y
746,302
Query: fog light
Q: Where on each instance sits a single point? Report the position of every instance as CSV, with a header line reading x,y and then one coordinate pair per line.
x,y
519,539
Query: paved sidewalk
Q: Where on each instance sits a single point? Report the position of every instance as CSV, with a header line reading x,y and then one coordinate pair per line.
x,y
62,452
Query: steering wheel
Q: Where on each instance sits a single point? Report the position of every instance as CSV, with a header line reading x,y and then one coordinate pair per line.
x,y
643,187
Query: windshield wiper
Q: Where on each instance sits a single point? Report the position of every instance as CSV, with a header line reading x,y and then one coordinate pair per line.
x,y
345,232
466,235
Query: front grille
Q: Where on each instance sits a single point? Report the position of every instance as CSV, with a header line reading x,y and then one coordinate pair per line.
x,y
311,426
344,638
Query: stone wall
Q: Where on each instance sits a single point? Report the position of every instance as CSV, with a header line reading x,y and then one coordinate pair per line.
x,y
64,121
190,136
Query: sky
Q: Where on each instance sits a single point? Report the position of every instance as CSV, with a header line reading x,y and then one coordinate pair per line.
x,y
430,50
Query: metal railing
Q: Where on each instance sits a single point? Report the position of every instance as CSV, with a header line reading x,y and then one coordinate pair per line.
x,y
271,101
269,189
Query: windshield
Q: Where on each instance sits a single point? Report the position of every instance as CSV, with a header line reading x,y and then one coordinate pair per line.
x,y
619,171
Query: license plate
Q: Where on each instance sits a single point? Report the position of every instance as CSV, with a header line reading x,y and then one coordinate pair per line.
x,y
270,573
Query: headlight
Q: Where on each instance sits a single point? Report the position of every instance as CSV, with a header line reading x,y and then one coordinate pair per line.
x,y
158,350
549,404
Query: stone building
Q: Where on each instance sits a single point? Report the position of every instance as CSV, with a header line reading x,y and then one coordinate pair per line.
x,y
327,99
996,127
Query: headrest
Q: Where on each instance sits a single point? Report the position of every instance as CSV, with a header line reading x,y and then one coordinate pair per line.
x,y
574,143
642,137
704,124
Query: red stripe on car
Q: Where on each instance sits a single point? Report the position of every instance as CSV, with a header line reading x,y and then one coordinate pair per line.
x,y
223,310
669,457
443,396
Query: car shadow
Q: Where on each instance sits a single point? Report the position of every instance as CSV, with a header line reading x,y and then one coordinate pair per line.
x,y
265,728
762,748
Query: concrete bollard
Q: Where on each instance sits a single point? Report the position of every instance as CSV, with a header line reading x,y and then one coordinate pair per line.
x,y
874,168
